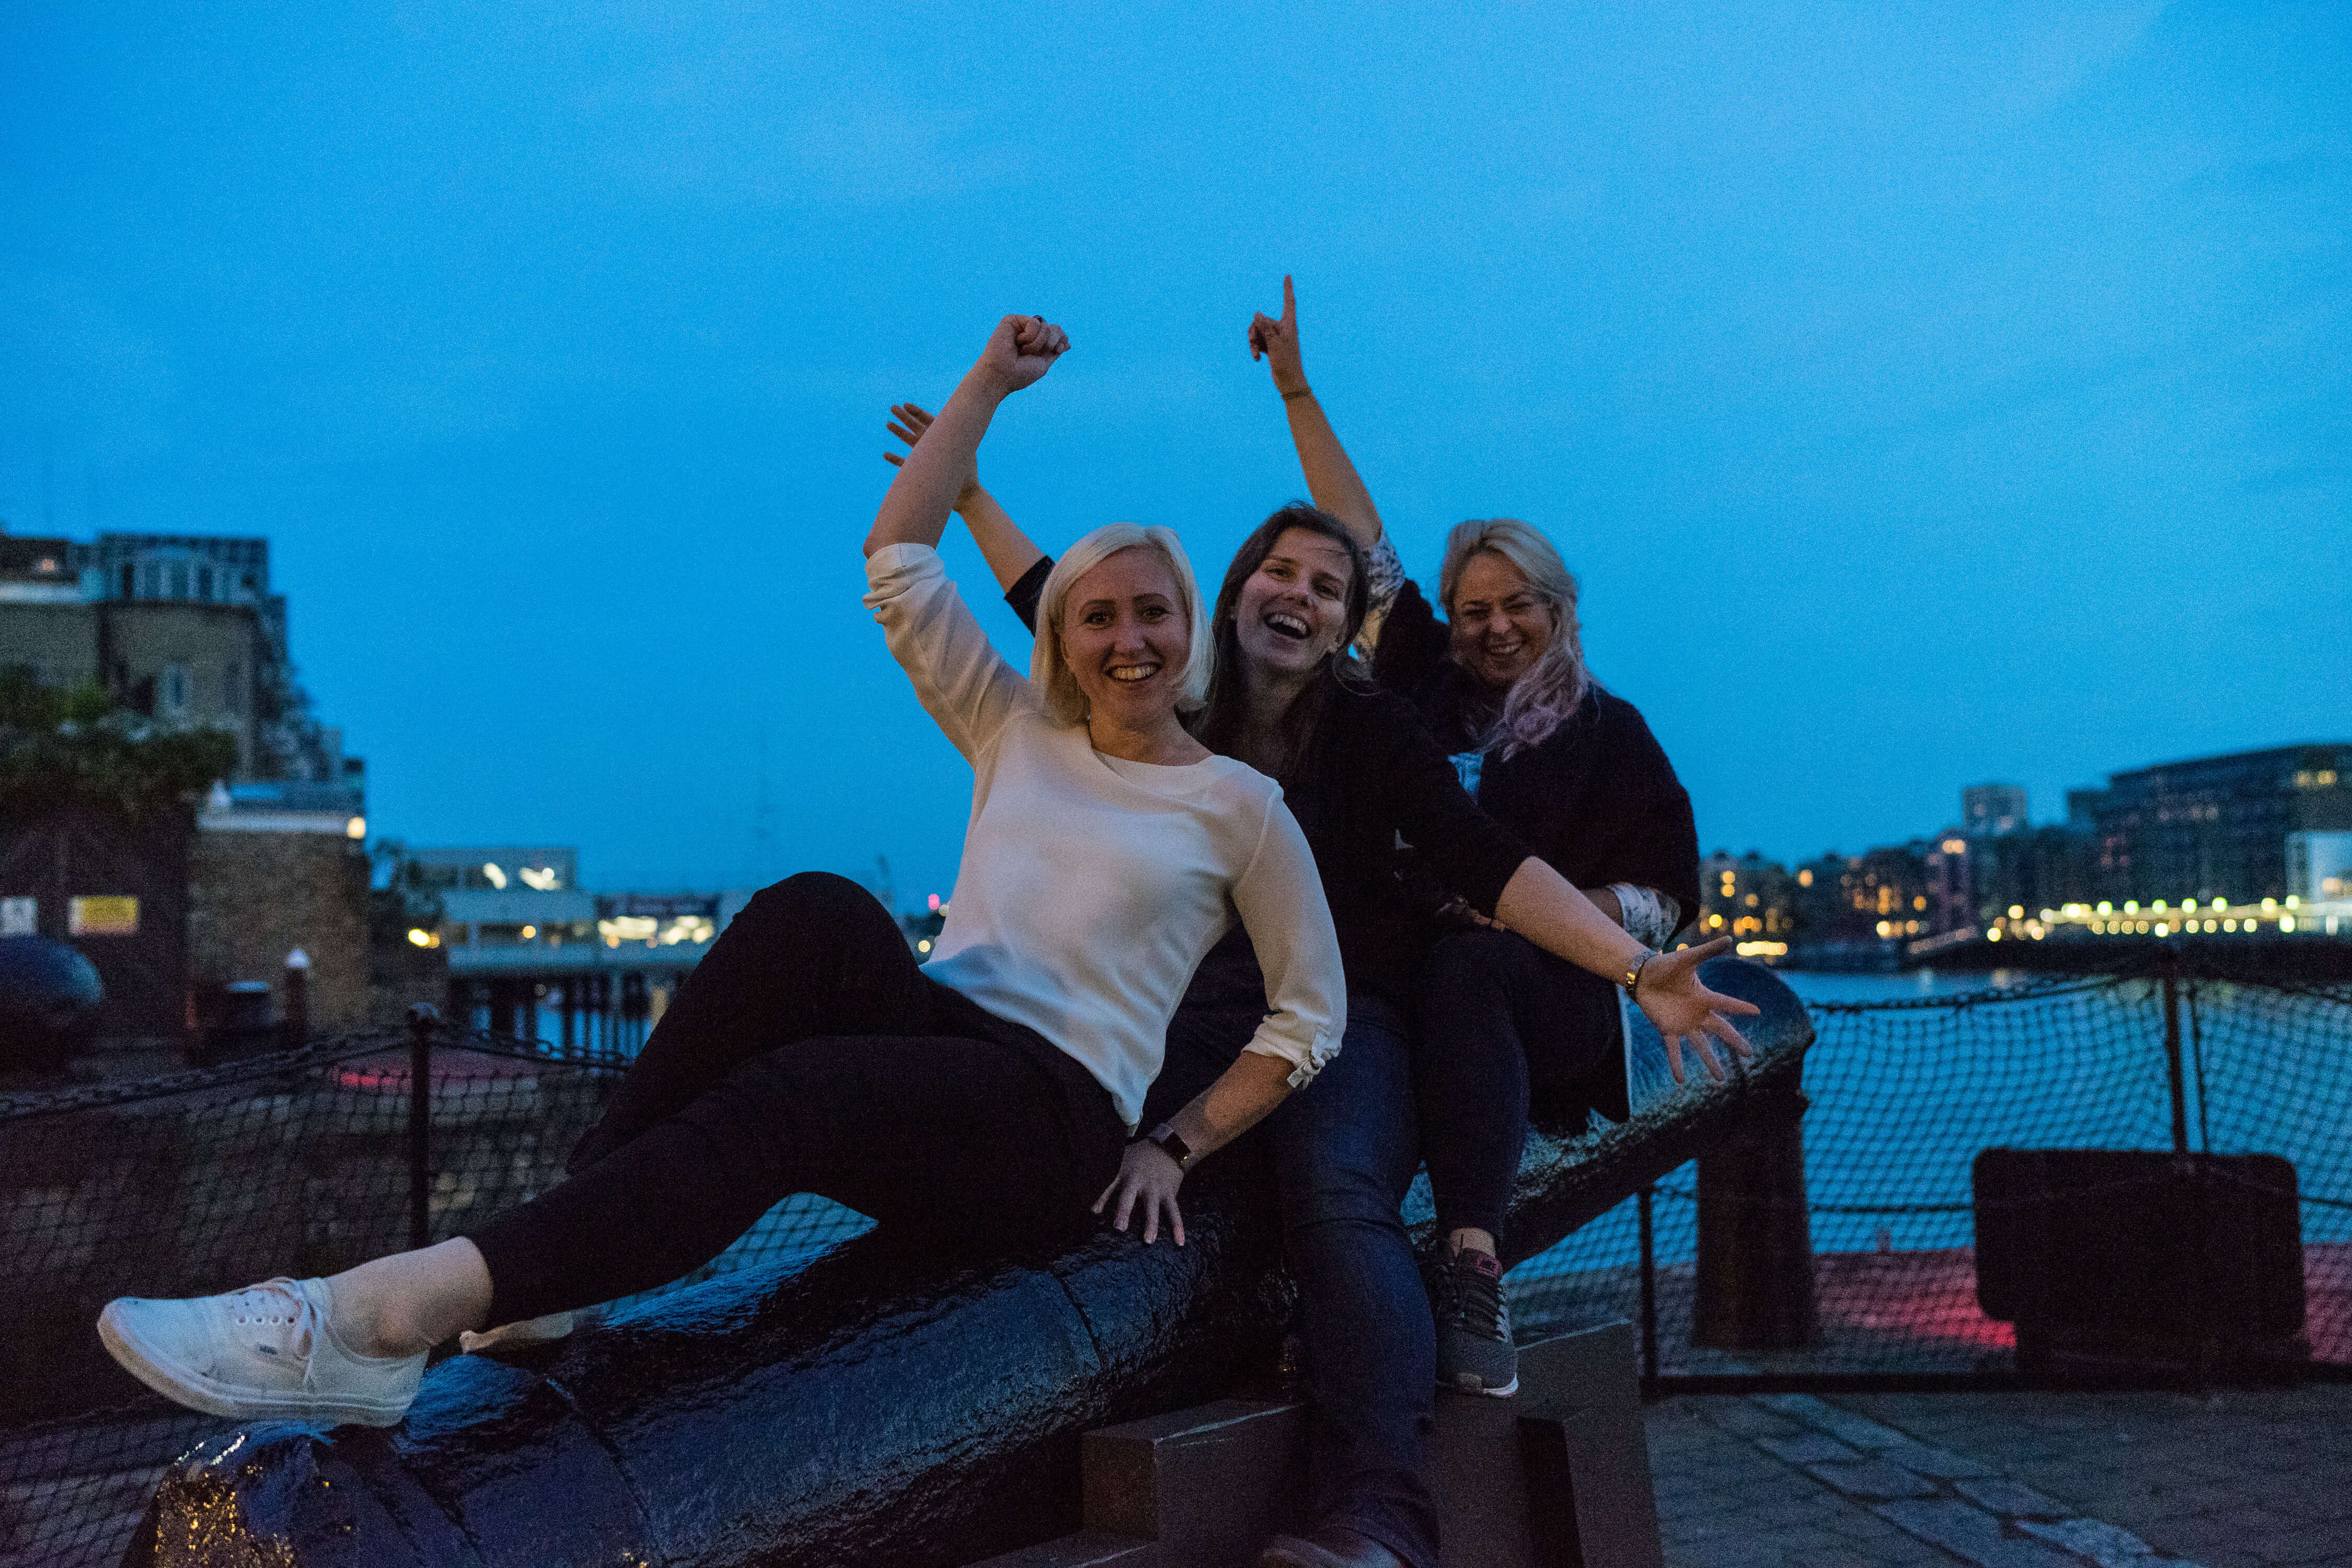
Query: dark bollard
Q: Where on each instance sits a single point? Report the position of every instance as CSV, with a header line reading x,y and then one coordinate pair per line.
x,y
875,1408
1755,1275
50,997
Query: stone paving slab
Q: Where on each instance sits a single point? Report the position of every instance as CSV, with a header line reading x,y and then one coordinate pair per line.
x,y
2240,1478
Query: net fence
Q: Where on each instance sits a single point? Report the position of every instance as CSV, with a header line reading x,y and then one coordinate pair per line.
x,y
1904,1095
299,1164
307,1162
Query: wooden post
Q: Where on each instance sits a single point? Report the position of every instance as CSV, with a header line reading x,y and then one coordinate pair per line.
x,y
422,1020
1754,1284
2172,964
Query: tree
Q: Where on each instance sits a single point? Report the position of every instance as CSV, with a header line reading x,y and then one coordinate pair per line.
x,y
61,748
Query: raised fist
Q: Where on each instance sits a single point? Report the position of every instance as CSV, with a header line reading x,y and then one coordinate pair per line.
x,y
1022,349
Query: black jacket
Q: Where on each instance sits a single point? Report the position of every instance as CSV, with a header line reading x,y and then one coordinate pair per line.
x,y
1598,799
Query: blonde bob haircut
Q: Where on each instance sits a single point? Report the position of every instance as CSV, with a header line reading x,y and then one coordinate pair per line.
x,y
1049,671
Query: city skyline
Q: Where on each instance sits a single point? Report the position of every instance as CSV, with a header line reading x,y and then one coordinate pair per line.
x,y
1923,402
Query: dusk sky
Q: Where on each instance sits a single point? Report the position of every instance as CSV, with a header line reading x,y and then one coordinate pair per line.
x,y
1925,395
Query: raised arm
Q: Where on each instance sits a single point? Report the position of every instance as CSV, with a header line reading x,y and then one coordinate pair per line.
x,y
1331,479
1010,553
915,510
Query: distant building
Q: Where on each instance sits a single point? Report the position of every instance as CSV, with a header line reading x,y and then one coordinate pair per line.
x,y
182,629
2319,867
1952,880
1990,810
1750,899
2211,827
2041,868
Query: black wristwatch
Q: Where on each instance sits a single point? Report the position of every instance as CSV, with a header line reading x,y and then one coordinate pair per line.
x,y
1165,1138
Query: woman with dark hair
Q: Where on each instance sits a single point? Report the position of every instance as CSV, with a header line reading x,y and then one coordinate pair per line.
x,y
1357,770
1510,1033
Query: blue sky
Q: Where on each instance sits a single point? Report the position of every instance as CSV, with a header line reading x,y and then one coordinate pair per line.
x,y
1925,395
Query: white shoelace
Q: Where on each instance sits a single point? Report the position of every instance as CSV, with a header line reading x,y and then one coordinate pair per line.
x,y
279,1303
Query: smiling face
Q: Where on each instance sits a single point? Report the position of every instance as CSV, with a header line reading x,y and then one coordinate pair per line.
x,y
1293,610
1125,638
1500,625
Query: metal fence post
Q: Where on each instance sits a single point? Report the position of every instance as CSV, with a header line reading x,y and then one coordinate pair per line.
x,y
422,1021
1649,1288
2172,964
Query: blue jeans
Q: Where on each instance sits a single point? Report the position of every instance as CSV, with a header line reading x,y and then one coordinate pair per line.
x,y
1345,1152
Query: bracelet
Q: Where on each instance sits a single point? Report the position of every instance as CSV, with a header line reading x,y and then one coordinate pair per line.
x,y
1302,392
1632,981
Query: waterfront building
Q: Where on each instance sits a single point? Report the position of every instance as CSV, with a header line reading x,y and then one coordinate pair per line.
x,y
1990,810
2319,867
2211,827
1750,899
181,628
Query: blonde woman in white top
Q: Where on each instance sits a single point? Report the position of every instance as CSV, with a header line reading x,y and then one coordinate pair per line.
x,y
985,1100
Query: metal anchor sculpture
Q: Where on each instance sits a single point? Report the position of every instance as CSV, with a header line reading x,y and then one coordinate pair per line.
x,y
868,1409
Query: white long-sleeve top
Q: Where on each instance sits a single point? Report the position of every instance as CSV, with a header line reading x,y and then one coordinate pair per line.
x,y
1091,887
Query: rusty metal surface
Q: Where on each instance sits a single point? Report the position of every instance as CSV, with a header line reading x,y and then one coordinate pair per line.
x,y
864,1410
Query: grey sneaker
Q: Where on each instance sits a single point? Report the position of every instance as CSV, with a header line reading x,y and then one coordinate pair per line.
x,y
262,1352
1475,1353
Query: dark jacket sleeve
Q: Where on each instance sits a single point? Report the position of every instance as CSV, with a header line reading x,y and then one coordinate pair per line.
x,y
1643,826
1457,845
1025,593
1412,645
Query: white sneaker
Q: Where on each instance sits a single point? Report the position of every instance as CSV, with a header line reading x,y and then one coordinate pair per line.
x,y
520,1335
262,1352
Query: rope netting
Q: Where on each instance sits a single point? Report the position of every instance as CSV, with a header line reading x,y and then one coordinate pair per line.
x,y
302,1164
297,1164
1904,1095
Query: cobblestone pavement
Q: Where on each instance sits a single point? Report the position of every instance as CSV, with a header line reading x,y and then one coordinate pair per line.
x,y
2240,1478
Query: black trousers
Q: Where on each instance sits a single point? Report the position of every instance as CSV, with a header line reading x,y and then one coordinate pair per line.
x,y
809,1052
1509,1035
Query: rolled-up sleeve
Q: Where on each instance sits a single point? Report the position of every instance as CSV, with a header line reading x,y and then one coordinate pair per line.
x,y
964,684
1280,901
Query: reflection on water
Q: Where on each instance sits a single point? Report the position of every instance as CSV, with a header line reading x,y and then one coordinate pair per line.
x,y
1823,986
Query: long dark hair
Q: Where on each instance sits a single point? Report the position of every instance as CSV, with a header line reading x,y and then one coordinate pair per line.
x,y
1226,713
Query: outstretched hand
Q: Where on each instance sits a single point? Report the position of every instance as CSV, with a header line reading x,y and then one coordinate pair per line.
x,y
1673,997
907,422
1021,350
1277,341
1148,1177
